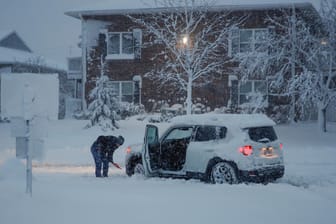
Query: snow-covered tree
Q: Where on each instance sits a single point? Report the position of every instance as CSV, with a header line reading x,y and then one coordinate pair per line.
x,y
194,38
103,106
317,82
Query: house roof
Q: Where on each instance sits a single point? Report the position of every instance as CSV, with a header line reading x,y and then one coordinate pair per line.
x,y
12,56
9,55
5,33
112,8
12,34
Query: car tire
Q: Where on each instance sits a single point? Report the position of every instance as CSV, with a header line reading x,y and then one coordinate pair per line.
x,y
139,169
224,172
135,166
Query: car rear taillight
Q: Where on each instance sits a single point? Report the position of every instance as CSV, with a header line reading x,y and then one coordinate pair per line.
x,y
281,146
128,150
246,150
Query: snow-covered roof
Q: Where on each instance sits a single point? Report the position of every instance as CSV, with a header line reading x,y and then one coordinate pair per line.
x,y
127,7
5,33
232,120
10,56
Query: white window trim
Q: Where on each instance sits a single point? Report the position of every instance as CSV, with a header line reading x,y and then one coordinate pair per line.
x,y
120,55
252,90
120,95
232,40
254,42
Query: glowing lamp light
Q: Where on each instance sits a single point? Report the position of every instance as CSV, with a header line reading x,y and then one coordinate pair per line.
x,y
324,42
185,40
246,150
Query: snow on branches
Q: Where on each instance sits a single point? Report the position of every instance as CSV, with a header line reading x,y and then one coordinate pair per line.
x,y
104,105
194,39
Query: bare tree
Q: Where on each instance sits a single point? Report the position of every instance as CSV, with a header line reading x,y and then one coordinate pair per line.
x,y
194,37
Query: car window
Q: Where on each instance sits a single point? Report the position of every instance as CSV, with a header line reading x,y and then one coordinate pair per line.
x,y
208,133
151,135
262,134
180,133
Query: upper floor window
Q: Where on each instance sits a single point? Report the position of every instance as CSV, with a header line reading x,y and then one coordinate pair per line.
x,y
75,64
124,45
249,40
75,68
120,45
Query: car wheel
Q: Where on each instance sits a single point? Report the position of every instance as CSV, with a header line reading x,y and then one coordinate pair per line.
x,y
223,172
134,166
139,169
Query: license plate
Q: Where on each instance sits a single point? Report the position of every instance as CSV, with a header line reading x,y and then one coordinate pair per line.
x,y
267,151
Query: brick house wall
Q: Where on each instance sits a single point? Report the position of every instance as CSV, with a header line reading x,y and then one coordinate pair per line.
x,y
217,93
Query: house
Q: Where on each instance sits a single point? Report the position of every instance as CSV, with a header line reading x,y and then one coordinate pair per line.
x,y
17,57
111,37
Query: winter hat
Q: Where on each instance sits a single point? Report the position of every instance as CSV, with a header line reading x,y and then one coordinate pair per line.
x,y
120,140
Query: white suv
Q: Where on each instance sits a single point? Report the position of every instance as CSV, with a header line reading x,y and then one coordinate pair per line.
x,y
216,148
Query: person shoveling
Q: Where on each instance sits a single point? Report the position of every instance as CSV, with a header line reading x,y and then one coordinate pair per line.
x,y
102,151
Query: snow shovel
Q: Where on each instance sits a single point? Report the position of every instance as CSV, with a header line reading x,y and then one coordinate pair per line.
x,y
117,165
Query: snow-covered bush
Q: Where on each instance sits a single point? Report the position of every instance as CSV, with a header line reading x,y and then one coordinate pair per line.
x,y
129,109
279,113
256,104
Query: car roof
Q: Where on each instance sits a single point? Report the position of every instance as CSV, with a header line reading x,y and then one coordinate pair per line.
x,y
228,120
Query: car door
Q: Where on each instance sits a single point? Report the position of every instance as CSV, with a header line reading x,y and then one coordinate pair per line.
x,y
174,148
151,151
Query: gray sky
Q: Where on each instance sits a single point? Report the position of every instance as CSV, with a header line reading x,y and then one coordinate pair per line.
x,y
48,32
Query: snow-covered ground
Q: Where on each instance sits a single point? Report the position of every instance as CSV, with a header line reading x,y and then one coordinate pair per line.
x,y
66,191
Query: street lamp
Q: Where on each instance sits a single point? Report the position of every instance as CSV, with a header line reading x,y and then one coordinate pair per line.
x,y
185,40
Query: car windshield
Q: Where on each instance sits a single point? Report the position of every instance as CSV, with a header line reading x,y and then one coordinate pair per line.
x,y
262,134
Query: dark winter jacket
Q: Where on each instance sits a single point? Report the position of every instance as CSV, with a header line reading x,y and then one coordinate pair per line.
x,y
105,146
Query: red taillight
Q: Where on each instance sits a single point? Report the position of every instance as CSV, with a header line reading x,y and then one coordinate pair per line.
x,y
128,150
246,150
281,146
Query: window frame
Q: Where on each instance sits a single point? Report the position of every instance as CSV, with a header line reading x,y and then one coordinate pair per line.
x,y
121,54
120,96
236,44
253,90
210,126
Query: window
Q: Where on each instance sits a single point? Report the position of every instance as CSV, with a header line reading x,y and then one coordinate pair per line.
x,y
249,40
208,133
252,89
75,68
120,45
75,64
262,134
123,90
180,133
124,45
